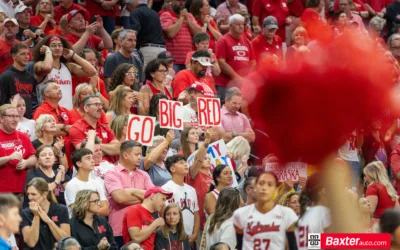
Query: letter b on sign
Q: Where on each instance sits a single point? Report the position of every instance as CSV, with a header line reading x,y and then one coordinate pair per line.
x,y
141,129
209,111
171,115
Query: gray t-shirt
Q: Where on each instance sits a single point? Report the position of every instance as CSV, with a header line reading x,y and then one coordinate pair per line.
x,y
159,176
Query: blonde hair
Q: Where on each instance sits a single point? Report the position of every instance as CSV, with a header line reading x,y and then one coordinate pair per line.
x,y
4,108
118,124
41,120
302,31
156,141
284,200
37,10
42,187
120,93
76,101
377,172
238,147
82,203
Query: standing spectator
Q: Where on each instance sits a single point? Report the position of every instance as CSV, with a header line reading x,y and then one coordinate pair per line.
x,y
125,186
7,41
138,223
124,55
311,19
189,141
146,22
11,219
92,107
44,222
83,162
375,27
66,6
377,7
154,163
172,234
82,34
154,111
296,8
235,123
349,153
299,39
16,80
27,34
179,27
15,157
44,16
267,41
61,29
107,10
392,12
25,125
225,11
89,229
6,6
229,47
167,56
184,195
121,103
248,188
57,61
346,5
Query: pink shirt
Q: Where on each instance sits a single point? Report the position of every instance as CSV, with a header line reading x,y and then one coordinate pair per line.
x,y
119,178
357,19
237,122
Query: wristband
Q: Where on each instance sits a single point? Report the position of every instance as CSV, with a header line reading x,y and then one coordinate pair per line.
x,y
48,52
72,57
206,144
170,77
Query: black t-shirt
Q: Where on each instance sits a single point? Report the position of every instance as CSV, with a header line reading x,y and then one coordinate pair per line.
x,y
57,213
36,144
170,243
21,37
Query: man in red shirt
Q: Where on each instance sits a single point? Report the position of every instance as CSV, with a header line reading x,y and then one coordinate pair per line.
x,y
235,56
138,223
92,108
267,41
67,6
10,32
82,36
16,152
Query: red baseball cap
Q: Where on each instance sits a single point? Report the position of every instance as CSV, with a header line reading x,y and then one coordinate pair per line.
x,y
200,88
156,190
72,13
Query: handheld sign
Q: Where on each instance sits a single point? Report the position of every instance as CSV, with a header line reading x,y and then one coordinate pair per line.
x,y
171,115
141,129
209,111
290,171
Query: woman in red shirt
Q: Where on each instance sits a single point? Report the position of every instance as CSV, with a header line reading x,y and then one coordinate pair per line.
x,y
44,18
380,192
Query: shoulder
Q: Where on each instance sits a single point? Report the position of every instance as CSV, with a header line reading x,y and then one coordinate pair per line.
x,y
190,188
243,210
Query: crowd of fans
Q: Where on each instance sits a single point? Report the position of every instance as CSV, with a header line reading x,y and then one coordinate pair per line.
x,y
71,73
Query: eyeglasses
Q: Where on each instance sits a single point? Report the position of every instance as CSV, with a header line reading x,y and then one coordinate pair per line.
x,y
15,117
130,74
98,105
163,71
97,202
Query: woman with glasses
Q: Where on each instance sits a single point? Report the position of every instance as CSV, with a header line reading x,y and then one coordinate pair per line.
x,y
156,72
89,229
121,103
44,16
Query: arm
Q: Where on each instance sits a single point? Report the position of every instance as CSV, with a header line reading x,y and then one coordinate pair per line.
x,y
140,235
209,203
256,21
216,34
248,134
31,233
59,232
145,93
112,148
104,210
373,199
153,156
227,69
81,43
127,196
42,68
196,227
5,159
193,27
107,41
82,68
215,69
30,162
173,29
370,10
201,154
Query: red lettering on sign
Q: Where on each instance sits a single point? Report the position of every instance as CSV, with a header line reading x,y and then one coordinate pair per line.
x,y
147,121
135,118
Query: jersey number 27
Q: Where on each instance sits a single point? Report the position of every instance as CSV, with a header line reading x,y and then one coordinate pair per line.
x,y
258,244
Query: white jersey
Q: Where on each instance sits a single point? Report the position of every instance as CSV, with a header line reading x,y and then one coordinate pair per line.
x,y
315,220
264,231
63,78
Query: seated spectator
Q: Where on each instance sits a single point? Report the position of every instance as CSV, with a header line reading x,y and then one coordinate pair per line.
x,y
223,178
312,21
248,188
173,232
82,159
66,6
184,195
81,91
27,34
229,46
16,80
189,141
119,126
235,123
125,74
89,229
299,38
68,243
224,11
127,40
155,72
82,35
92,108
219,227
9,39
57,179
196,74
125,186
44,222
291,199
370,224
154,163
138,223
25,125
121,103
44,16
267,41
239,152
15,160
45,130
178,38
57,61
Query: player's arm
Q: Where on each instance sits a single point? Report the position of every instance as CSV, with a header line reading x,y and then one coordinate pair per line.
x,y
239,237
291,238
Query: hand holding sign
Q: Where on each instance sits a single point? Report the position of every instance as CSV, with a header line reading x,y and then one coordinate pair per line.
x,y
141,129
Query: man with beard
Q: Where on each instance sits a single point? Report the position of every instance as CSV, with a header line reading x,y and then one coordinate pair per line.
x,y
82,34
9,39
179,27
195,74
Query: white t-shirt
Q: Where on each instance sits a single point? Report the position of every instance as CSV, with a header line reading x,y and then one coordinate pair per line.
x,y
225,233
75,185
28,127
264,231
186,197
348,151
315,220
11,240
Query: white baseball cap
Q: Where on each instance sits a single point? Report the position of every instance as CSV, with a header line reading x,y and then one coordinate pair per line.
x,y
19,8
205,61
13,20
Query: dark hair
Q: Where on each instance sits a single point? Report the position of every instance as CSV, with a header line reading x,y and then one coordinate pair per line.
x,y
270,173
37,56
310,192
17,47
313,3
247,183
95,52
41,148
126,145
195,8
228,201
118,76
172,160
201,36
217,173
153,66
184,144
390,220
154,103
219,245
201,53
41,186
7,201
78,154
86,99
337,14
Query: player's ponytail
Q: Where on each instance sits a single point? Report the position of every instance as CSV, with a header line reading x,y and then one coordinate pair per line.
x,y
304,201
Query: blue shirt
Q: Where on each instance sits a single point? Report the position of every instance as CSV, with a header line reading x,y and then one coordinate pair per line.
x,y
4,245
159,176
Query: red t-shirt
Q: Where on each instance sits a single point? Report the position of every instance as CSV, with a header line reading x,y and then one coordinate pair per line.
x,y
96,9
384,200
38,20
238,53
360,6
209,74
212,40
260,46
312,22
93,41
100,85
13,180
296,7
185,78
202,184
60,115
5,55
277,8
60,11
74,116
56,31
378,5
138,216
